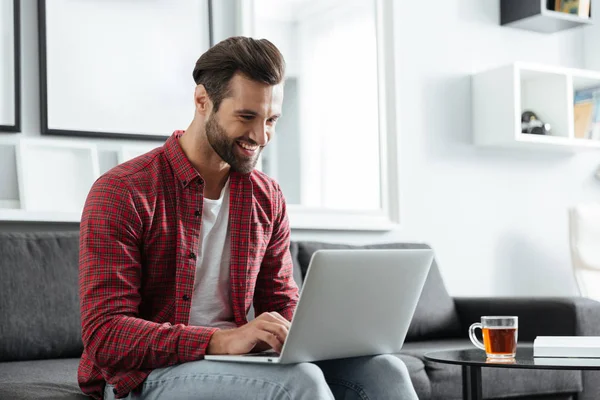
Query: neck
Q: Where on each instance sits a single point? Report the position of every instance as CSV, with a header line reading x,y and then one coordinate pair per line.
x,y
203,158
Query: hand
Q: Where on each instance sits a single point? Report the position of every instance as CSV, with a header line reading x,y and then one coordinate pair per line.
x,y
267,331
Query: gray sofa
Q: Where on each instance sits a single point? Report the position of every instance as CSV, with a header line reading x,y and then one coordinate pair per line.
x,y
40,327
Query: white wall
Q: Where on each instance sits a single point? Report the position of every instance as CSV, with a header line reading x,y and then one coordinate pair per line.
x,y
496,219
591,57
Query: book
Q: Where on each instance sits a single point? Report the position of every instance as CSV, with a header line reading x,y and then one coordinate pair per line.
x,y
567,346
567,361
582,113
580,8
586,94
584,8
586,113
567,6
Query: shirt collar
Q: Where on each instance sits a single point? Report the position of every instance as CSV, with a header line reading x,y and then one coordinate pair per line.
x,y
184,170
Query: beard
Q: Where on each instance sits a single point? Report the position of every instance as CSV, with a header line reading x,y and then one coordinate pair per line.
x,y
224,146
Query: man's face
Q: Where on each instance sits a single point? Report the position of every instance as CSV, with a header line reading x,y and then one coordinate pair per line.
x,y
245,122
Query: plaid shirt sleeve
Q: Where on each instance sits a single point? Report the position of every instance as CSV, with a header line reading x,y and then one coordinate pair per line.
x,y
114,336
276,289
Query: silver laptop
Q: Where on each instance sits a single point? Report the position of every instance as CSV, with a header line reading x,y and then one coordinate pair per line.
x,y
352,303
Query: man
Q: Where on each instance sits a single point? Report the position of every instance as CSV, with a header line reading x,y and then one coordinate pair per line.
x,y
178,243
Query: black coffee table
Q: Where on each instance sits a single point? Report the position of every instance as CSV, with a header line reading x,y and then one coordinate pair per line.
x,y
472,360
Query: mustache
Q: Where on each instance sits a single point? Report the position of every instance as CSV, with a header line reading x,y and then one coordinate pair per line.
x,y
248,140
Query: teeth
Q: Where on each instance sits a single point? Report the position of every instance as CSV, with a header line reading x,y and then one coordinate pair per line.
x,y
247,146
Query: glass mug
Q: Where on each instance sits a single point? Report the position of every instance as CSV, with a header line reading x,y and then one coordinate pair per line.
x,y
499,336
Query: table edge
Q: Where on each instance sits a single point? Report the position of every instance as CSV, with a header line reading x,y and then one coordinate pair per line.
x,y
502,365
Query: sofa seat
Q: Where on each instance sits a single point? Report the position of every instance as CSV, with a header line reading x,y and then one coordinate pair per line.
x,y
40,379
497,383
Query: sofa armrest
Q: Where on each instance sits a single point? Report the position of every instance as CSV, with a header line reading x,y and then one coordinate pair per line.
x,y
538,316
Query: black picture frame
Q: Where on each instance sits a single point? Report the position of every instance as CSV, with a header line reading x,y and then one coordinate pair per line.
x,y
16,127
45,129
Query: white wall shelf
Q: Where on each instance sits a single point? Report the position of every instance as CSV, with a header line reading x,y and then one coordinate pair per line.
x,y
38,216
502,94
55,176
48,179
534,15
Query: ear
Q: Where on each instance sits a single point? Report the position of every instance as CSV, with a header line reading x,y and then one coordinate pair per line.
x,y
202,102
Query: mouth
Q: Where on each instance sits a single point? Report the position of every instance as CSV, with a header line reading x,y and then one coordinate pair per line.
x,y
247,148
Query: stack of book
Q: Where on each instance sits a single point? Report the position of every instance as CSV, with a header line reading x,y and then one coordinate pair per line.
x,y
567,346
577,7
587,113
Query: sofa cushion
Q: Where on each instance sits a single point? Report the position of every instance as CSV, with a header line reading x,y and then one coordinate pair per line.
x,y
297,270
497,383
39,296
435,315
40,379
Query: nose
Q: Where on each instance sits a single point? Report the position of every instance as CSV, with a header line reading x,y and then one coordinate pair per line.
x,y
261,133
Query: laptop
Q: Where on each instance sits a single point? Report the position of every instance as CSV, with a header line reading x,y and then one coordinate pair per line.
x,y
354,302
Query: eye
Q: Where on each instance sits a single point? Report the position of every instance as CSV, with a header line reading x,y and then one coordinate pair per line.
x,y
272,120
247,117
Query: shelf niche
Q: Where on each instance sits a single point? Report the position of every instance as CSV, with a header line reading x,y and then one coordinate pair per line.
x,y
539,16
502,94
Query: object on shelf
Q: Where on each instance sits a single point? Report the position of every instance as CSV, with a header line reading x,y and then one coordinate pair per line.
x,y
582,113
585,8
587,113
540,16
42,166
48,179
530,123
580,8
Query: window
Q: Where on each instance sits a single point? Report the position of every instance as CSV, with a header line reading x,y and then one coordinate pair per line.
x,y
330,149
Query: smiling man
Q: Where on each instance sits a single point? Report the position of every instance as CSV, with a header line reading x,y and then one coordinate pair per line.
x,y
177,244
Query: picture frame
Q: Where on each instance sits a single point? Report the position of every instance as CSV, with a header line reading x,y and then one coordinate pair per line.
x,y
9,190
43,164
125,74
10,107
127,153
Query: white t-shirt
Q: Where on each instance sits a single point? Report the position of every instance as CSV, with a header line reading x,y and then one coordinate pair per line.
x,y
211,298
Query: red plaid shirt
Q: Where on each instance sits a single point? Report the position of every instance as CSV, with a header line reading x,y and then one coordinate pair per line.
x,y
140,231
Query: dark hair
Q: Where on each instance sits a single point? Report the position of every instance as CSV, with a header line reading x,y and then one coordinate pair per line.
x,y
258,60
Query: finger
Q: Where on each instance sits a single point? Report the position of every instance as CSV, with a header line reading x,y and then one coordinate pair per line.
x,y
274,317
260,346
277,329
280,318
268,338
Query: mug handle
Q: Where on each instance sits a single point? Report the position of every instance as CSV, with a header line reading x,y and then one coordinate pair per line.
x,y
472,336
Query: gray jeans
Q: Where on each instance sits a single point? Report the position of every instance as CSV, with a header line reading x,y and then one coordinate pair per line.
x,y
379,377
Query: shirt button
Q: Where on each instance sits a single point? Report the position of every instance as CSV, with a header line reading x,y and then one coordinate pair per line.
x,y
115,391
197,213
193,256
186,297
184,183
